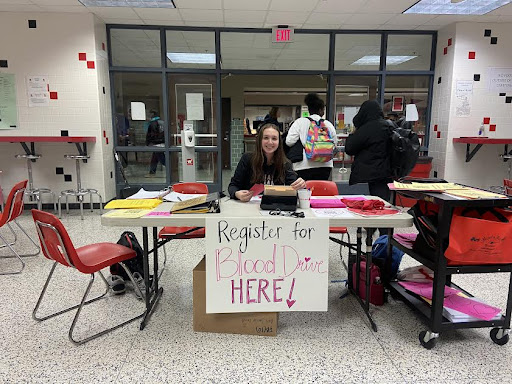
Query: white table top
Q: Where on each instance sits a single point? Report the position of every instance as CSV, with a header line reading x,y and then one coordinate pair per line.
x,y
235,209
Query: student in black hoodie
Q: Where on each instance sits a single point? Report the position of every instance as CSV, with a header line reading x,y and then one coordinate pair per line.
x,y
370,145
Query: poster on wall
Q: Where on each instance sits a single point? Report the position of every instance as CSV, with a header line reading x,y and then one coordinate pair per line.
x,y
37,91
397,104
500,80
463,97
266,265
194,102
8,111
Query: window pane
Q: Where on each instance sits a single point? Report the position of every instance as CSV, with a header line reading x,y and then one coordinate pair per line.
x,y
402,90
135,48
190,49
145,89
137,167
204,162
192,97
408,52
357,52
256,51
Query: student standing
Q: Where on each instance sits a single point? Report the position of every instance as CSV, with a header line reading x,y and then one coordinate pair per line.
x,y
267,165
307,169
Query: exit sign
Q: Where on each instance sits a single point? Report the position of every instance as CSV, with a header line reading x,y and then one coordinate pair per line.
x,y
282,35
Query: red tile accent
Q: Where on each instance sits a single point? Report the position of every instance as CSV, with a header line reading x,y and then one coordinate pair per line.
x,y
104,133
53,96
90,64
492,127
445,51
438,135
103,46
106,140
435,128
471,55
82,56
449,42
487,120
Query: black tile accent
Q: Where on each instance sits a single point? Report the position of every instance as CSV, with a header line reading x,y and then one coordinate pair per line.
x,y
32,24
111,175
435,173
494,40
476,77
64,133
508,99
104,90
503,94
67,177
59,171
487,32
439,80
3,63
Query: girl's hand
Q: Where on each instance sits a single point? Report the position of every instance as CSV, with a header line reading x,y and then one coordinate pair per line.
x,y
244,195
298,184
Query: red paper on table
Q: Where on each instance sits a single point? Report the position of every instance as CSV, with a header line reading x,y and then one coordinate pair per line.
x,y
374,212
257,189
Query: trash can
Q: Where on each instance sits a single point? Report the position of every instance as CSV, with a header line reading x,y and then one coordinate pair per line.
x,y
421,170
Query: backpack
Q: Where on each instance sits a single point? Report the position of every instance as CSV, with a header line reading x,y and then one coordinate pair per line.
x,y
135,264
405,149
319,144
380,253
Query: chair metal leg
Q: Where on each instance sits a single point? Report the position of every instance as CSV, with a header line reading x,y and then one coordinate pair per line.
x,y
81,203
36,245
83,302
67,205
15,254
90,201
34,312
15,237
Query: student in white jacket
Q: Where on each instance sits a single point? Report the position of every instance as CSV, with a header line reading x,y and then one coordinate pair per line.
x,y
307,169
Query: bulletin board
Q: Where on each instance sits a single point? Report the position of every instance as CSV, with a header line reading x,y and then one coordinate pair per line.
x,y
266,265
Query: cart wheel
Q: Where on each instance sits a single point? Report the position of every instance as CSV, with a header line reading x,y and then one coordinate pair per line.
x,y
427,339
499,336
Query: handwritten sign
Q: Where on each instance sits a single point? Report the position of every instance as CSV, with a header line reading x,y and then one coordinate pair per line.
x,y
266,265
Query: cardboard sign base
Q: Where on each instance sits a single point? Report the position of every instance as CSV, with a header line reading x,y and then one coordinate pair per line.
x,y
244,323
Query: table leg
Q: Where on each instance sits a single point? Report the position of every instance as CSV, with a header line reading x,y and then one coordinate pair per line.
x,y
368,254
152,296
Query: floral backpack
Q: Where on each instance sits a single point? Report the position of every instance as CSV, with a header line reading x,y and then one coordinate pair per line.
x,y
319,142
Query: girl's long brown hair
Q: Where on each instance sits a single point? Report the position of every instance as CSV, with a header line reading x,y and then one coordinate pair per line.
x,y
279,159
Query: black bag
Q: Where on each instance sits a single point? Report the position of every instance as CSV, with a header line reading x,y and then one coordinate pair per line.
x,y
135,264
425,217
295,153
405,149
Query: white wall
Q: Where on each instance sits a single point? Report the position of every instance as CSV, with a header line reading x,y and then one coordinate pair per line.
x,y
52,50
486,168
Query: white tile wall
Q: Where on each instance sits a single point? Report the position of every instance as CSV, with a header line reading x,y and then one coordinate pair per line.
x,y
486,168
52,49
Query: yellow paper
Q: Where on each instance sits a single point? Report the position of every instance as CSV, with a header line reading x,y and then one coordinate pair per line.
x,y
471,193
133,204
427,186
128,213
188,203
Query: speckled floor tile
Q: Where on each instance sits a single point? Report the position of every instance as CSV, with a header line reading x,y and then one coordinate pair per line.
x,y
336,346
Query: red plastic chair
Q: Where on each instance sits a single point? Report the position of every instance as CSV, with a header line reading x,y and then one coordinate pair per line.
x,y
14,208
328,188
89,259
171,233
507,183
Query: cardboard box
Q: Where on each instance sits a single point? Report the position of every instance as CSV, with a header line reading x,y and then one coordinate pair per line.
x,y
244,323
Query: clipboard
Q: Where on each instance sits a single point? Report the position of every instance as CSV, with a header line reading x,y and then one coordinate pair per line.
x,y
201,204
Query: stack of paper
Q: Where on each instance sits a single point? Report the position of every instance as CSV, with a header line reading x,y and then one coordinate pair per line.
x,y
133,204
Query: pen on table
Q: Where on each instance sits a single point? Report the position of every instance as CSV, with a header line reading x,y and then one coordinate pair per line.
x,y
179,199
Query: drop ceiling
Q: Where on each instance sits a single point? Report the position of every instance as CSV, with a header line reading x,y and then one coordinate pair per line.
x,y
306,14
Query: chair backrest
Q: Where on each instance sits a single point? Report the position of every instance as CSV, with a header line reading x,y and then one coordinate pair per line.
x,y
55,241
14,204
322,187
190,188
507,183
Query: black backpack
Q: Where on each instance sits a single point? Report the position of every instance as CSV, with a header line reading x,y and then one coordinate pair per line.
x,y
135,264
405,149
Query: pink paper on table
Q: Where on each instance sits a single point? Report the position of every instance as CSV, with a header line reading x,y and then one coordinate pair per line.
x,y
257,189
471,307
161,213
425,289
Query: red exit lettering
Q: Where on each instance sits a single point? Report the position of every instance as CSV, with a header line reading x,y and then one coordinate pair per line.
x,y
283,35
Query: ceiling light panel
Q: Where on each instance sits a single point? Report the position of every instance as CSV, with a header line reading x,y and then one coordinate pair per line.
x,y
191,58
129,3
375,60
447,7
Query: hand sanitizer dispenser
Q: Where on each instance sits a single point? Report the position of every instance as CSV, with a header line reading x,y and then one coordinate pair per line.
x,y
188,151
189,138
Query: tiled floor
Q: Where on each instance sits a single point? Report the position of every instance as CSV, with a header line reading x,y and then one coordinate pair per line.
x,y
333,346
